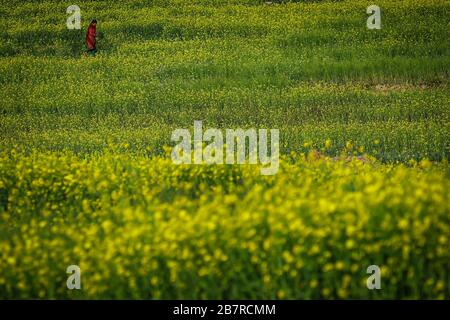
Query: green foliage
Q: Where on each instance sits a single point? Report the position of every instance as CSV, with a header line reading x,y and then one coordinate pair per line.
x,y
141,227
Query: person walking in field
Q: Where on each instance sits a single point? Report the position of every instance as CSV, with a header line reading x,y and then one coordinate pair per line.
x,y
91,34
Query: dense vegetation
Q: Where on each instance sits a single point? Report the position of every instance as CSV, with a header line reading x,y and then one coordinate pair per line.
x,y
311,69
84,178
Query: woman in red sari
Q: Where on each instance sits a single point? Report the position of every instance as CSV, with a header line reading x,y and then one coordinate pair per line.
x,y
91,33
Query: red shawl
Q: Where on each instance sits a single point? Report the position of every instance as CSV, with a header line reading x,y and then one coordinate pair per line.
x,y
90,37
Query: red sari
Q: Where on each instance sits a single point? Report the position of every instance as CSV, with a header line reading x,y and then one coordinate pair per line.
x,y
91,33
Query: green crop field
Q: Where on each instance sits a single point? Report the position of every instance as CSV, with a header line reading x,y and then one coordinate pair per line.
x,y
86,178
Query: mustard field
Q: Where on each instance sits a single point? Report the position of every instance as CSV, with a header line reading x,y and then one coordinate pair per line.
x,y
86,176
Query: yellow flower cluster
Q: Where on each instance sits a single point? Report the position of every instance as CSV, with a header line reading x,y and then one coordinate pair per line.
x,y
143,227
